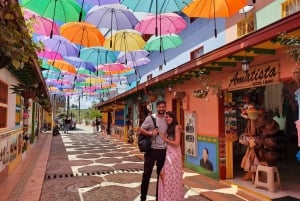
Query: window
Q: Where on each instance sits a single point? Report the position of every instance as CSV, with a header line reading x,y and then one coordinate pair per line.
x,y
289,7
18,110
196,53
246,26
160,67
149,77
3,117
4,92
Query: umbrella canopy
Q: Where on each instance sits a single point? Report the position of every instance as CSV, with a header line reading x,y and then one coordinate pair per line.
x,y
125,40
113,16
165,23
100,2
77,62
134,58
63,66
213,9
111,67
155,6
164,42
82,33
41,25
60,10
61,45
98,55
49,55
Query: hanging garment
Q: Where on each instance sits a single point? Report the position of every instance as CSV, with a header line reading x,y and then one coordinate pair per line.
x,y
273,98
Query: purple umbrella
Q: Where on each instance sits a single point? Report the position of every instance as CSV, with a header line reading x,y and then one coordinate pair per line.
x,y
113,16
77,62
134,58
61,45
101,2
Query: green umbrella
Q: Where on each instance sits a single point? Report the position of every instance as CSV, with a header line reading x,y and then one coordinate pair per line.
x,y
163,42
58,10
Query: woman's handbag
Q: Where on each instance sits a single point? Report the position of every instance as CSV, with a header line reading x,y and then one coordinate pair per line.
x,y
144,141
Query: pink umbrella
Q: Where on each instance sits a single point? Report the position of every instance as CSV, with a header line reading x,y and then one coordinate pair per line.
x,y
111,67
49,55
166,23
41,25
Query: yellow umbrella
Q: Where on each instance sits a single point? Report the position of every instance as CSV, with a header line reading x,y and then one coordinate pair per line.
x,y
125,40
94,80
82,33
214,8
63,66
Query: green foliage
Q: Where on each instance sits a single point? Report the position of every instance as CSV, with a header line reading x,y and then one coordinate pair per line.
x,y
292,43
16,47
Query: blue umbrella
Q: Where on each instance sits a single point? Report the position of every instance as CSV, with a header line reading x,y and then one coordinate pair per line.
x,y
156,6
98,55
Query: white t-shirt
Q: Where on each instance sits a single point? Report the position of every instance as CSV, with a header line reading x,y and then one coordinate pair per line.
x,y
157,142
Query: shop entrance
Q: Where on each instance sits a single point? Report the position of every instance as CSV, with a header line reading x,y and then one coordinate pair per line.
x,y
262,119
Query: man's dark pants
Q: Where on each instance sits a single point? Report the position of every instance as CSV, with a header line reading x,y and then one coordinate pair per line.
x,y
150,157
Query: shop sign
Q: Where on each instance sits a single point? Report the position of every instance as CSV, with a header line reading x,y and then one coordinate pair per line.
x,y
264,74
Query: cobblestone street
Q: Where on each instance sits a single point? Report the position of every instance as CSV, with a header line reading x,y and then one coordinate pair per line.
x,y
83,166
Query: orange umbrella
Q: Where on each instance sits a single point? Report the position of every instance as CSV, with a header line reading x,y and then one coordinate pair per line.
x,y
63,66
82,33
214,8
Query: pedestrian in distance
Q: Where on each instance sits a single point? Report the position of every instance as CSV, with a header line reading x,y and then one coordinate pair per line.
x,y
170,185
98,122
156,155
67,125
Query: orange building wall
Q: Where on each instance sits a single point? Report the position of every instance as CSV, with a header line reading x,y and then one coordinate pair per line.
x,y
207,108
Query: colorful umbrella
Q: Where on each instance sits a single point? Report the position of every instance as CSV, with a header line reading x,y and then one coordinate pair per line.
x,y
163,42
41,25
165,23
98,55
77,62
155,6
125,40
61,45
60,10
100,2
111,67
49,55
113,16
82,33
57,10
63,66
134,58
213,9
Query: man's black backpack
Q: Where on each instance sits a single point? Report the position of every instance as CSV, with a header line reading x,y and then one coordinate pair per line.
x,y
144,141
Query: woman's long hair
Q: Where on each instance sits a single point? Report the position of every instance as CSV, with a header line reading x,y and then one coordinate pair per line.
x,y
172,125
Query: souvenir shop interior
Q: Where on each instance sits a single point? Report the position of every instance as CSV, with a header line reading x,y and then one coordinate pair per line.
x,y
263,118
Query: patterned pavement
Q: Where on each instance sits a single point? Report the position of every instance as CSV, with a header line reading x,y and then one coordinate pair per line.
x,y
86,167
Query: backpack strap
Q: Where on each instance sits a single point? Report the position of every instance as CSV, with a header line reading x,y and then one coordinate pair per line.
x,y
154,121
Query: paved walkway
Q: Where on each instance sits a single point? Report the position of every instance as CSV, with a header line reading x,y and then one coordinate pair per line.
x,y
26,182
